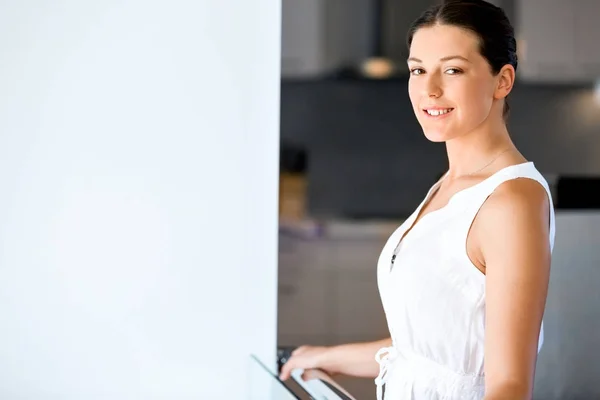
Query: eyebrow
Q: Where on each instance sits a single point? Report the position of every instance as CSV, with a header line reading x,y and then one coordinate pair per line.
x,y
447,58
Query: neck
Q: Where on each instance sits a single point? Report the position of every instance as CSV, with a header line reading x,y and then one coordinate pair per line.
x,y
471,152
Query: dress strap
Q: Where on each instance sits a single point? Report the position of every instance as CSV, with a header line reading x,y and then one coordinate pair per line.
x,y
483,191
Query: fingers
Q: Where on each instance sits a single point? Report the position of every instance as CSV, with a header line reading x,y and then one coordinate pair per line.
x,y
292,363
297,360
286,370
299,350
305,376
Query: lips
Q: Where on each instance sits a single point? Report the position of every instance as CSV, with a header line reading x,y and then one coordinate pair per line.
x,y
437,111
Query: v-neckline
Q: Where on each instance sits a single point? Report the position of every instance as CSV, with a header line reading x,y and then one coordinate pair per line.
x,y
417,219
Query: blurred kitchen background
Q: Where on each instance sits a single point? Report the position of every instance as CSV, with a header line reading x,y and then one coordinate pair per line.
x,y
354,163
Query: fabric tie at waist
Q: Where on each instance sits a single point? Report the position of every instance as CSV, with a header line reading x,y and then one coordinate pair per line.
x,y
417,368
384,357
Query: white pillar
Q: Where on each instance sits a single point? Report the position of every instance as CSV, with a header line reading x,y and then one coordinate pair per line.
x,y
138,206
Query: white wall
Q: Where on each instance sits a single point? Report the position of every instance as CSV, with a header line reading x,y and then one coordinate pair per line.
x,y
138,206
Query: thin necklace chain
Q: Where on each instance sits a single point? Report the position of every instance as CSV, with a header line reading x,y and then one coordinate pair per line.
x,y
395,252
485,166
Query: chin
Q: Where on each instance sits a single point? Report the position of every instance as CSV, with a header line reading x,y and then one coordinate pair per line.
x,y
436,135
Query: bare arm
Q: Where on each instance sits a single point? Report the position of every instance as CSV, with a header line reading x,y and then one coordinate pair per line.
x,y
354,359
513,236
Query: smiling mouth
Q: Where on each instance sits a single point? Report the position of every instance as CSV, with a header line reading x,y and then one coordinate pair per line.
x,y
438,112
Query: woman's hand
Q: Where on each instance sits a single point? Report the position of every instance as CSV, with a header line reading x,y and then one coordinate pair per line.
x,y
305,357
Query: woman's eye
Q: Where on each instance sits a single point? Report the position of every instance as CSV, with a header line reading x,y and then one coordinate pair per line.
x,y
416,71
453,71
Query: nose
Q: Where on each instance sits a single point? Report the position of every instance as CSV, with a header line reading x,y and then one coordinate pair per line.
x,y
433,87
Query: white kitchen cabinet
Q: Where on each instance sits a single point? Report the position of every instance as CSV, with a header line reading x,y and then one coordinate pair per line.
x,y
546,34
558,40
319,36
301,31
587,37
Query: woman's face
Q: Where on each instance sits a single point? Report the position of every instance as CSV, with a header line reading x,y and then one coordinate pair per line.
x,y
451,85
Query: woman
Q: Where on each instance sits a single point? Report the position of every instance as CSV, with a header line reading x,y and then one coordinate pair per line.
x,y
464,279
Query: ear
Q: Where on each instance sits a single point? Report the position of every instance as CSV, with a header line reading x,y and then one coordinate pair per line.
x,y
506,81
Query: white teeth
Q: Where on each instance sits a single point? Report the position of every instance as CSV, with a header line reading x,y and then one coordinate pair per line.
x,y
438,112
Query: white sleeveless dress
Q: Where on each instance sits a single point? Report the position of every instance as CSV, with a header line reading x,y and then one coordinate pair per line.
x,y
434,299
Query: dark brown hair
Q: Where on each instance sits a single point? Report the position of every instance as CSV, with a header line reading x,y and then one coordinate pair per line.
x,y
497,42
